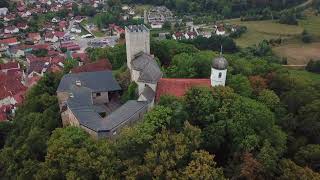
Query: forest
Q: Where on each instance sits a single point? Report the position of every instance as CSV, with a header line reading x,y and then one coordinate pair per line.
x,y
224,7
263,125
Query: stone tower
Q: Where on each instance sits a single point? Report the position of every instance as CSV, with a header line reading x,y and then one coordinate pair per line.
x,y
137,40
219,71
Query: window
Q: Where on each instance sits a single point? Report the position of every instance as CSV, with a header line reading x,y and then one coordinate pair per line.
x,y
220,74
98,94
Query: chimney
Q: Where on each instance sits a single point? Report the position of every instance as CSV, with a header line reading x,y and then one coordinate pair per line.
x,y
78,82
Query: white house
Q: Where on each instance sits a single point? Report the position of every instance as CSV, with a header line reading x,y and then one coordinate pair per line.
x,y
11,30
156,25
76,29
3,11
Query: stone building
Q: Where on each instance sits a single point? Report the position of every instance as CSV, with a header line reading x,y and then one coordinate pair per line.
x,y
143,67
90,100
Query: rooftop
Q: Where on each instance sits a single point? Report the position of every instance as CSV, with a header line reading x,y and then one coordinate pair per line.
x,y
90,80
137,28
178,87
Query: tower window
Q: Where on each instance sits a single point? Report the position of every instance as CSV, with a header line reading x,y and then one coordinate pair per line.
x,y
220,74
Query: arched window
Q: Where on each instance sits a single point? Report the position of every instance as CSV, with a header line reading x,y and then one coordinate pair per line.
x,y
220,74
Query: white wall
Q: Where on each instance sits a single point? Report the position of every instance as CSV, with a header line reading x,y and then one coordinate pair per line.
x,y
135,43
215,79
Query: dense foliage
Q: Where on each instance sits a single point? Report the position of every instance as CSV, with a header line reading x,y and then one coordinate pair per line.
x,y
228,8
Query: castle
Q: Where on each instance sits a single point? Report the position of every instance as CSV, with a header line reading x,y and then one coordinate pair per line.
x,y
89,99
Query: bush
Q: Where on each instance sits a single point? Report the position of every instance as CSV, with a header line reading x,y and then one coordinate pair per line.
x,y
313,66
306,37
288,17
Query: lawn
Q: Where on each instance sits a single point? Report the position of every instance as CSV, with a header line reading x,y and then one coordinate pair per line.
x,y
306,76
260,30
298,53
139,9
311,24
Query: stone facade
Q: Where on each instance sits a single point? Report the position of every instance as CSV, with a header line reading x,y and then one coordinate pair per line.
x,y
137,40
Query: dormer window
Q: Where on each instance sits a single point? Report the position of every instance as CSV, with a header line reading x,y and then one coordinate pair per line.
x,y
78,82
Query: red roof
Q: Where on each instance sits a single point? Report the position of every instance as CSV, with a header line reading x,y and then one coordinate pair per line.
x,y
8,40
10,65
10,85
33,81
59,34
82,56
34,36
41,46
178,87
101,65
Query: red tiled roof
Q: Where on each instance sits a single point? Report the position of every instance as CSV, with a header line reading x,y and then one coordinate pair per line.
x,y
101,65
8,40
10,65
178,87
59,34
41,46
58,59
10,85
34,36
82,56
33,81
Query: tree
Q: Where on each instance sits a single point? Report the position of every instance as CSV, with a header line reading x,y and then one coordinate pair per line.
x,y
269,98
308,156
68,65
200,105
258,84
240,84
202,166
313,66
73,154
167,155
288,17
250,168
291,171
308,124
306,37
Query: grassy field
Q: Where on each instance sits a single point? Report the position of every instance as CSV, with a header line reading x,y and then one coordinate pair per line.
x,y
298,53
260,30
308,77
139,9
311,24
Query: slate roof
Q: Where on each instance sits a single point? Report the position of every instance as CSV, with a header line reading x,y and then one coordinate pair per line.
x,y
148,67
220,63
100,81
122,114
148,93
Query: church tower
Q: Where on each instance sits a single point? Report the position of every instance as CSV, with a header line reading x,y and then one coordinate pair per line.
x,y
219,71
137,40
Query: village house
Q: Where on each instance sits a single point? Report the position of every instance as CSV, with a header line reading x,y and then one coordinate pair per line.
x,y
11,30
3,11
34,37
9,17
9,41
22,26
